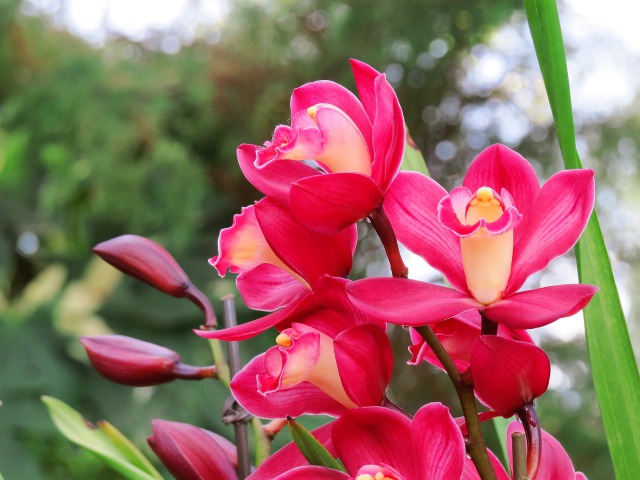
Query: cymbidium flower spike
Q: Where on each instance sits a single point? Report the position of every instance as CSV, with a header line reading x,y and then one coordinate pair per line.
x,y
486,237
192,453
133,362
149,262
357,144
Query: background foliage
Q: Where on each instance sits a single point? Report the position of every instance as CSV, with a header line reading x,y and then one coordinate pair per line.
x,y
97,142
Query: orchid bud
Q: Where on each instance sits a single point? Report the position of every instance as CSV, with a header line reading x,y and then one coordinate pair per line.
x,y
149,262
129,361
191,453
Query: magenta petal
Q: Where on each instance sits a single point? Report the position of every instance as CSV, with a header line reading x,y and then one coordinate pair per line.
x,y
325,91
330,203
554,224
309,254
408,302
365,363
294,401
374,436
388,134
539,307
191,453
555,464
274,178
499,167
412,206
313,473
438,446
305,306
267,287
289,457
508,374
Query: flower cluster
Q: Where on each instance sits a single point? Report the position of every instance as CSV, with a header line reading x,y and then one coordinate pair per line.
x,y
338,163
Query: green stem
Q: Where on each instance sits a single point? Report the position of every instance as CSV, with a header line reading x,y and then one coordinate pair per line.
x,y
476,447
383,228
519,449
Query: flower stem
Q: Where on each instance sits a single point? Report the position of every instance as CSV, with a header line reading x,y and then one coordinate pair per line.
x,y
242,440
383,228
476,447
519,449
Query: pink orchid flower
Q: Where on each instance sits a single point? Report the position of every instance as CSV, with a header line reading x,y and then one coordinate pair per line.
x,y
555,463
310,372
358,146
379,443
283,265
487,237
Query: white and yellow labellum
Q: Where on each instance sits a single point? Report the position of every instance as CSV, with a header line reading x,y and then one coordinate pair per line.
x,y
486,258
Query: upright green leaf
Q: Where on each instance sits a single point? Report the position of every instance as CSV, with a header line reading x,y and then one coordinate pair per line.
x,y
106,442
413,159
613,364
311,448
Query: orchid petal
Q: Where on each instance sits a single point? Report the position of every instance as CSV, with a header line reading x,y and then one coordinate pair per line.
x,y
374,436
309,254
304,307
408,302
554,224
267,287
508,374
274,178
499,167
411,205
289,456
438,446
325,91
330,203
313,473
293,401
539,307
555,463
365,363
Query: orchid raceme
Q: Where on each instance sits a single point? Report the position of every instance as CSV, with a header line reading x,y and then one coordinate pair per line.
x,y
358,145
487,237
378,443
310,372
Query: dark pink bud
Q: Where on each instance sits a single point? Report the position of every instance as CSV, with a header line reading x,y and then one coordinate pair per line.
x,y
136,363
192,453
508,374
145,260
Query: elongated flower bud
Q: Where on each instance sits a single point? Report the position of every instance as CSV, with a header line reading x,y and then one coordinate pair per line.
x,y
137,363
145,260
193,453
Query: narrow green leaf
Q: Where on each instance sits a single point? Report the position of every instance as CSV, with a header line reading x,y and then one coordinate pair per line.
x,y
501,424
413,159
122,456
613,365
311,448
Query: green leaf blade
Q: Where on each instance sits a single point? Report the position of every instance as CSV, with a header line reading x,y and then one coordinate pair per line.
x,y
613,364
118,455
311,448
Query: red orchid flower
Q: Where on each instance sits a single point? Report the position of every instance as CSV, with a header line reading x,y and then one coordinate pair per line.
x,y
282,265
310,372
379,443
357,144
457,335
555,463
487,237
